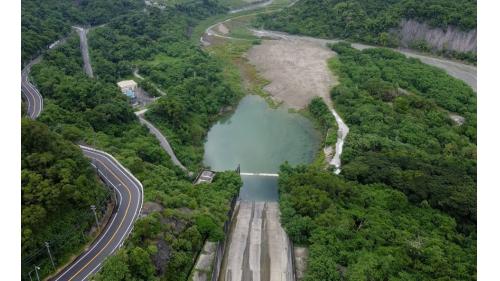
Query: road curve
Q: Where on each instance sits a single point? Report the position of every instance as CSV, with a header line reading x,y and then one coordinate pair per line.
x,y
31,93
129,194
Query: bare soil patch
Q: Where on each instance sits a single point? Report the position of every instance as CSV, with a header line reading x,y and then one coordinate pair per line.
x,y
297,69
222,29
464,72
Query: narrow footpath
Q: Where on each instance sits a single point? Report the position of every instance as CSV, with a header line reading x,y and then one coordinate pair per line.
x,y
161,138
138,76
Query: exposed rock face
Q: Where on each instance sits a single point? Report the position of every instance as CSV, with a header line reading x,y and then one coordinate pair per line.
x,y
161,258
450,39
150,207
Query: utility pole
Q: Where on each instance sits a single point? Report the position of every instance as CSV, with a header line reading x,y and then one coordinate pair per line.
x,y
95,215
36,271
50,254
29,274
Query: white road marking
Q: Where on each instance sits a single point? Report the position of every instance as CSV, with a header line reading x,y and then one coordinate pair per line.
x,y
102,236
129,228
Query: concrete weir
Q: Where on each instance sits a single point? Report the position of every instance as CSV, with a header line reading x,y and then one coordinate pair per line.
x,y
259,174
258,248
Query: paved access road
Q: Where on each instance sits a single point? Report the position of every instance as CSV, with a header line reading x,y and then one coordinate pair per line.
x,y
159,136
31,93
82,32
129,195
33,97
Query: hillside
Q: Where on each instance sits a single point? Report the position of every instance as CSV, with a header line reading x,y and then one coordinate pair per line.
x,y
399,113
55,177
43,22
402,208
370,232
445,27
165,242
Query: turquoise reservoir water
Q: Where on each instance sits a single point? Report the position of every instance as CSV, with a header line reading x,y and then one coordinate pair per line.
x,y
260,139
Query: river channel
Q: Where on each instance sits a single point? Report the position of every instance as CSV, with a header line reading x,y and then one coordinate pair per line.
x,y
260,138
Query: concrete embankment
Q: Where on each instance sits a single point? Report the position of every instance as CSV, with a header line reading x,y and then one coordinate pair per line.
x,y
258,247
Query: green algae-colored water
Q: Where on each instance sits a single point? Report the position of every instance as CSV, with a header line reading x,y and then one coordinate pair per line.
x,y
260,138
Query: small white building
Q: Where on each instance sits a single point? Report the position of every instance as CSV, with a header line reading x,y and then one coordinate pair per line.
x,y
206,176
128,88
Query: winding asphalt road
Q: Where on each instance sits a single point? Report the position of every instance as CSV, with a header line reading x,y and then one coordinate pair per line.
x,y
31,93
129,194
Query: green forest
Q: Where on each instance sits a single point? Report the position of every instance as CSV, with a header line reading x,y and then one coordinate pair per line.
x,y
370,232
371,21
404,206
44,22
401,133
93,111
55,177
192,80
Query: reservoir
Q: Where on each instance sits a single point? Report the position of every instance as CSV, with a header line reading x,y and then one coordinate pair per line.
x,y
260,138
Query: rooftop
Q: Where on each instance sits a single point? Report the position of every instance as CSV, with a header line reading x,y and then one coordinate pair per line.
x,y
127,84
205,177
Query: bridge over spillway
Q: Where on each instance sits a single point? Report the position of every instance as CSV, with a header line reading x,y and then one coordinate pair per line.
x,y
259,174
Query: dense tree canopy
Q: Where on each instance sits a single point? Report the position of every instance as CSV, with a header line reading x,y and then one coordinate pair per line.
x,y
45,21
403,209
165,243
401,133
370,232
158,46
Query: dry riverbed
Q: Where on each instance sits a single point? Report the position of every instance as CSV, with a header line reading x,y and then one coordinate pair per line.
x,y
464,72
298,70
